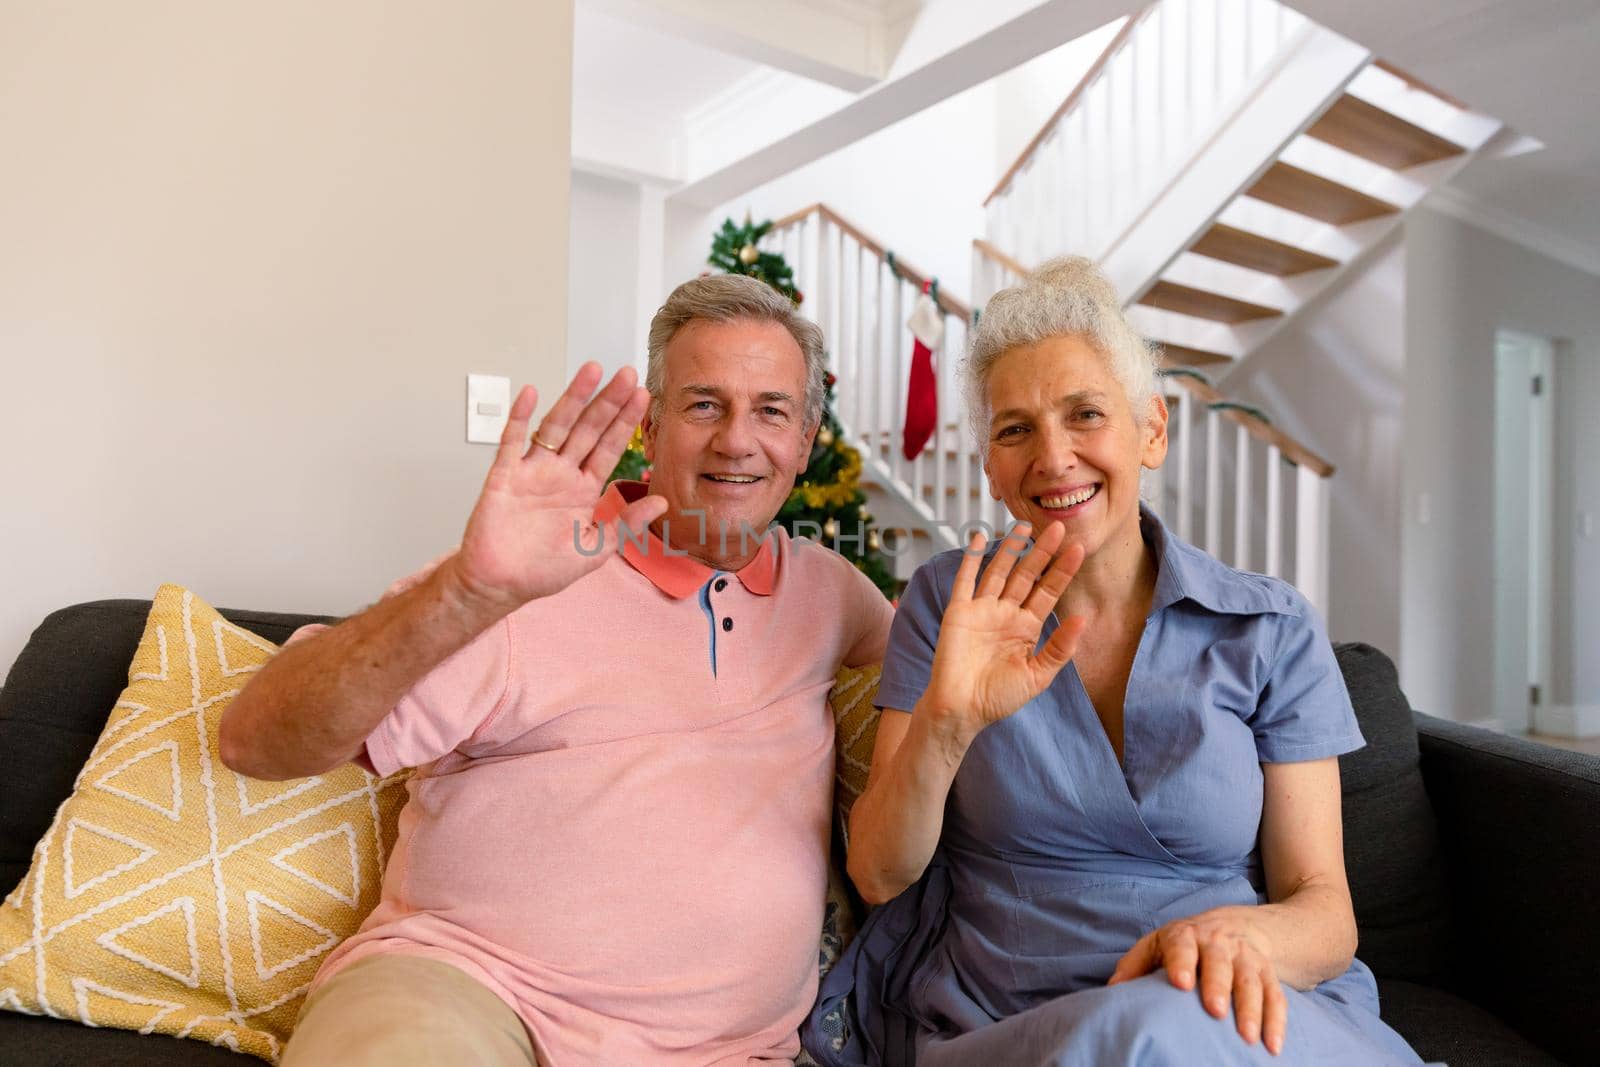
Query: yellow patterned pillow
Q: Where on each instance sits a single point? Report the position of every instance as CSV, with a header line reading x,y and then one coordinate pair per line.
x,y
856,730
171,895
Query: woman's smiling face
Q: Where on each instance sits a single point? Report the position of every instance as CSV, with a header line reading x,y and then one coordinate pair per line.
x,y
1064,445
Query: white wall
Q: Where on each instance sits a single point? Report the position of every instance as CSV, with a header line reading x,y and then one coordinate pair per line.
x,y
1463,284
250,253
1334,379
603,301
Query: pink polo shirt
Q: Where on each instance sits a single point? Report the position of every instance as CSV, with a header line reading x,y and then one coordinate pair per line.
x,y
619,820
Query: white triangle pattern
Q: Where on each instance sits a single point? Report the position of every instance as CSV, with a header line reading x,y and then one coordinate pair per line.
x,y
281,861
108,941
127,705
9,1001
74,888
254,902
163,674
247,808
83,987
228,669
174,804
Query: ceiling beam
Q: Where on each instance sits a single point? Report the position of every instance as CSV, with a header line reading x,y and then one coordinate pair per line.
x,y
839,44
953,46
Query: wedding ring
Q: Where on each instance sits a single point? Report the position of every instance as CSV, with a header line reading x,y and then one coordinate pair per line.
x,y
545,444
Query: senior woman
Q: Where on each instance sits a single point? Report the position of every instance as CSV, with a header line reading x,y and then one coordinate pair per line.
x,y
1102,823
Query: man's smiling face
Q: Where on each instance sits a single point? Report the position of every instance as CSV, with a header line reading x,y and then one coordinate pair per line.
x,y
730,436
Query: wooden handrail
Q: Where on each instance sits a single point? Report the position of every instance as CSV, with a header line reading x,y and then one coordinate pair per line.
x,y
989,251
1257,428
916,277
1078,90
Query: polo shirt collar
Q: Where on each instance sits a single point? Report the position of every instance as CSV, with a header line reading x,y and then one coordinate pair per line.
x,y
677,575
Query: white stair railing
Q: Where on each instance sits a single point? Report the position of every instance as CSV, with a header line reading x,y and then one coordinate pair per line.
x,y
1207,490
1172,74
861,295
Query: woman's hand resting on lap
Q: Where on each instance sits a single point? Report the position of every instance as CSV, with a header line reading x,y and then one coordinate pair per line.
x,y
1232,956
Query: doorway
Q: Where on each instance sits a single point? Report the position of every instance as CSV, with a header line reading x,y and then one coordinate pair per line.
x,y
1524,455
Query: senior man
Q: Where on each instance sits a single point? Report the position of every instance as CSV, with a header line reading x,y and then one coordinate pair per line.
x,y
614,850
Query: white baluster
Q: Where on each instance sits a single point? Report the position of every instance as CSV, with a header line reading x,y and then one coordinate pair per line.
x,y
819,291
1311,537
1135,128
836,275
1241,499
1213,505
1186,432
876,423
961,444
1218,36
1084,243
1163,123
1274,511
896,366
803,261
858,407
1248,17
1058,194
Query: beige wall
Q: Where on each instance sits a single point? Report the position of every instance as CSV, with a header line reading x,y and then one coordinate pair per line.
x,y
248,253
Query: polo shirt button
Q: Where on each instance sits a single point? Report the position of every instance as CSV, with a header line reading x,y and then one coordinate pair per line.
x,y
727,624
722,583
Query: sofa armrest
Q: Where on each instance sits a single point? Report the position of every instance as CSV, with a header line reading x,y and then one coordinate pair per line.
x,y
1520,827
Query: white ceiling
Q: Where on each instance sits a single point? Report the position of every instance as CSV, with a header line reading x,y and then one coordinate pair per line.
x,y
621,67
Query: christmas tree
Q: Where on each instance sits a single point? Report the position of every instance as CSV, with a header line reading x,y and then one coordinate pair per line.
x,y
737,250
827,497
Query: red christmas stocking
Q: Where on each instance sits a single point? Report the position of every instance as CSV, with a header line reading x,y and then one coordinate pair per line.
x,y
922,391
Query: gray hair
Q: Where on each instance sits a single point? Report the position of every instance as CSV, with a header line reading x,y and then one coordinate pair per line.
x,y
1067,297
727,298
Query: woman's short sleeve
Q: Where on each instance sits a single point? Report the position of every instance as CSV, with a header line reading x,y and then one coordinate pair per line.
x,y
908,663
1304,710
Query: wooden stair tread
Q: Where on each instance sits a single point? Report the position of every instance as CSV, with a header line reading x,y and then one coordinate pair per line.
x,y
1184,356
1254,252
1381,136
1185,300
1312,195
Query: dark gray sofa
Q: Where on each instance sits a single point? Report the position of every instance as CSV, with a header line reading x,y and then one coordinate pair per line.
x,y
1471,856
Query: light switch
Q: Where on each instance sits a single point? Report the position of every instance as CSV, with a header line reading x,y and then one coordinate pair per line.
x,y
488,405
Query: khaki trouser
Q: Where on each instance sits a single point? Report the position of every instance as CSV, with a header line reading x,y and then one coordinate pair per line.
x,y
400,1011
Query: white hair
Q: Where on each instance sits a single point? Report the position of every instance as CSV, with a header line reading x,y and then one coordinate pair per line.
x,y
1067,297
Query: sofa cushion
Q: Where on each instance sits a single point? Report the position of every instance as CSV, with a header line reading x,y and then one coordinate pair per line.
x,y
170,895
1442,1027
1391,842
29,1041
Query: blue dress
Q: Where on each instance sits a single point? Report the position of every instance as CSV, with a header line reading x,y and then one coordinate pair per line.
x,y
1054,859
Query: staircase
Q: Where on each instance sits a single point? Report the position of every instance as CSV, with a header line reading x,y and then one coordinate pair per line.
x,y
1225,161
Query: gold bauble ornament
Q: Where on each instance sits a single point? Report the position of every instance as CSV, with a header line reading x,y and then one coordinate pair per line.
x,y
830,529
872,540
824,437
749,254
863,514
